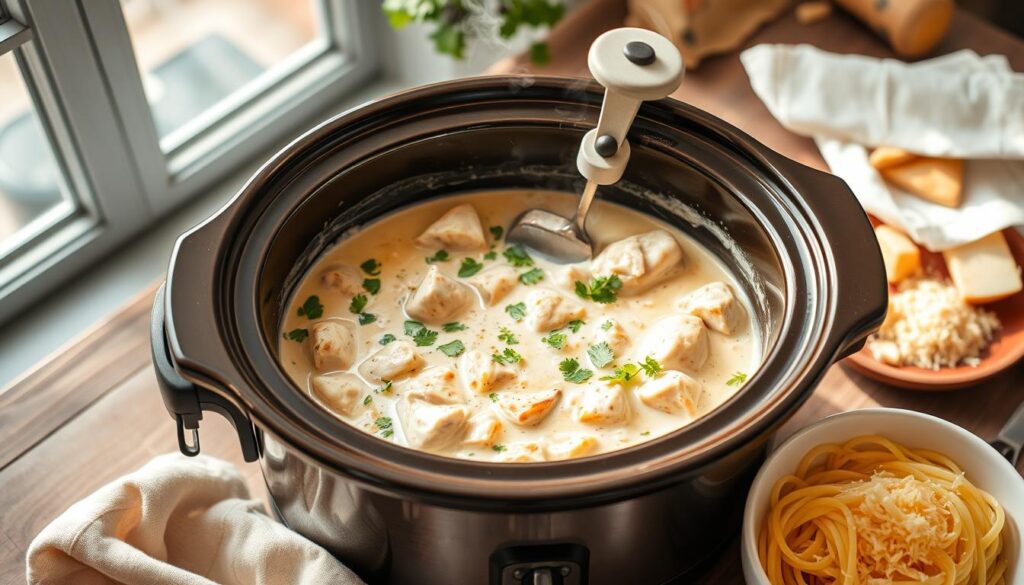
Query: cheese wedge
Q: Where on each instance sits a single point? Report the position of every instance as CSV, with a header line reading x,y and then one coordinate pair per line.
x,y
902,258
939,180
885,157
984,271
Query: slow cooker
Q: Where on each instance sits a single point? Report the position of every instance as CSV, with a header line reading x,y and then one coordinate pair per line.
x,y
795,238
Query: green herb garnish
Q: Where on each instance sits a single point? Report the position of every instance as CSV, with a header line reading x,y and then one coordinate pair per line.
x,y
367,318
299,335
737,379
469,267
368,400
498,448
623,375
439,256
607,325
492,255
311,309
493,396
601,354
650,366
517,256
384,425
386,338
602,290
384,388
421,336
371,285
516,311
497,231
572,372
507,336
532,276
555,340
453,327
358,304
371,267
575,325
507,357
452,348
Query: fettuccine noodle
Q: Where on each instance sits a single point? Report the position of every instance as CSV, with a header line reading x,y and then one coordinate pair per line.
x,y
871,511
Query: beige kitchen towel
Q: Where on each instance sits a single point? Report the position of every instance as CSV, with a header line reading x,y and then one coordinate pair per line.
x,y
177,520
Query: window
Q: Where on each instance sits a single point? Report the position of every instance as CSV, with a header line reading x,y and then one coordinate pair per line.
x,y
115,112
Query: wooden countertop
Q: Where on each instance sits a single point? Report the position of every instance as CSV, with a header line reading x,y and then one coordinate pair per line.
x,y
92,412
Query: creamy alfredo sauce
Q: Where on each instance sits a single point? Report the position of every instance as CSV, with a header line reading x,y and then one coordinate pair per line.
x,y
385,373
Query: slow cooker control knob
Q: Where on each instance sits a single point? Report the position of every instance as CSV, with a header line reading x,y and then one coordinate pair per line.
x,y
634,65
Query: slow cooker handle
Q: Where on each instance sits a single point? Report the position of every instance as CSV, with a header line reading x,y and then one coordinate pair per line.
x,y
186,401
862,291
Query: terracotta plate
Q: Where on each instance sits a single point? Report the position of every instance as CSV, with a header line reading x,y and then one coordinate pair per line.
x,y
1006,349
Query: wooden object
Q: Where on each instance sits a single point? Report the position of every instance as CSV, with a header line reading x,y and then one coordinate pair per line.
x,y
93,412
912,27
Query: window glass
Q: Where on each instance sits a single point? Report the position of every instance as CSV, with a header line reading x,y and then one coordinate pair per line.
x,y
196,54
32,191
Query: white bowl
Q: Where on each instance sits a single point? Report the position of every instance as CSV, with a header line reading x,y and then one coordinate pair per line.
x,y
980,462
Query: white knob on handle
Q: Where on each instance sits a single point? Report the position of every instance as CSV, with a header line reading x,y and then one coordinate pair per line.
x,y
634,65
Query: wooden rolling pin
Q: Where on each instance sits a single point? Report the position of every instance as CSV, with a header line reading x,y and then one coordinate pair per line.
x,y
912,27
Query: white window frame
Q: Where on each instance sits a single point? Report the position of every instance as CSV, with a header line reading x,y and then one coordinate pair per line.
x,y
79,67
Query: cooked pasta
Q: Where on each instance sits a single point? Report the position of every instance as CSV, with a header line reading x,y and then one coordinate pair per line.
x,y
871,511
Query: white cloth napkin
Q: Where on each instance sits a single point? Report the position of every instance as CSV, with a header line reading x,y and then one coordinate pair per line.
x,y
960,105
177,520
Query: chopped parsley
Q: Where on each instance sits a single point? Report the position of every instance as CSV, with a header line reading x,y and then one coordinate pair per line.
x,y
498,448
517,256
555,340
572,372
737,379
358,304
299,335
371,267
497,231
645,433
384,388
493,396
439,256
623,375
469,267
516,311
367,318
311,309
607,325
603,289
453,327
601,354
492,255
452,348
421,336
368,400
650,366
384,425
507,336
575,325
507,357
371,285
386,338
532,276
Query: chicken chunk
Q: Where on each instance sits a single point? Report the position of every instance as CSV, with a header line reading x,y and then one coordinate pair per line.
x,y
640,261
334,346
391,362
436,385
459,229
433,426
481,374
484,430
523,452
548,310
679,342
602,404
527,408
343,278
494,283
341,392
438,298
569,446
613,333
715,304
673,392
567,276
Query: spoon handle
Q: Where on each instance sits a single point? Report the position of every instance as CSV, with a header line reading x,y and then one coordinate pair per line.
x,y
580,219
1011,438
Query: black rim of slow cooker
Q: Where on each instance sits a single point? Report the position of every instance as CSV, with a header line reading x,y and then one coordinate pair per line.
x,y
797,360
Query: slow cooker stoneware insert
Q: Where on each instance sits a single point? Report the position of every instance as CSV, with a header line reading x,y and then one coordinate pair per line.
x,y
794,237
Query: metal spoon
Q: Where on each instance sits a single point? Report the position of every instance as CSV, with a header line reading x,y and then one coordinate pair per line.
x,y
634,65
